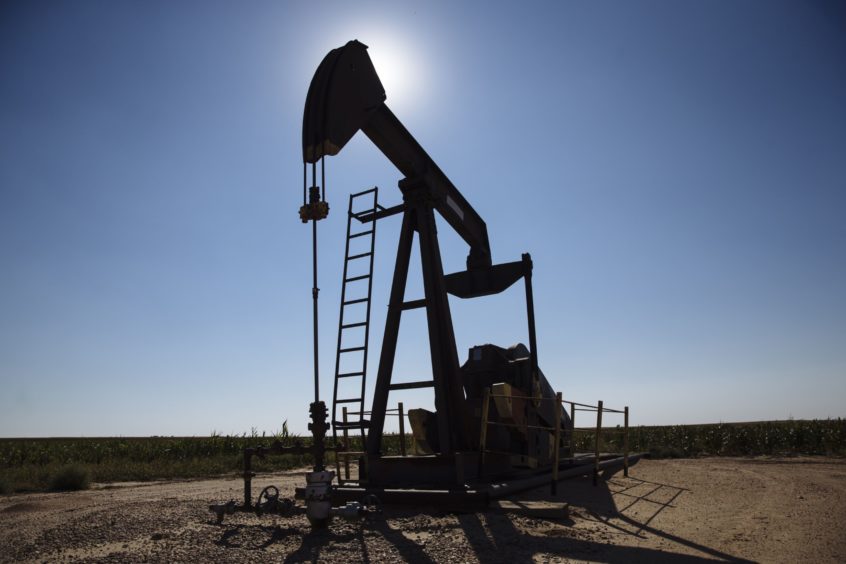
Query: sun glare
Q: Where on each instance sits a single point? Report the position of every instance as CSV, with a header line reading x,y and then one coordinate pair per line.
x,y
396,69
399,64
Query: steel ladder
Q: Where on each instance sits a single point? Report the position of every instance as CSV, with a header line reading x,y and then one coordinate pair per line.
x,y
345,326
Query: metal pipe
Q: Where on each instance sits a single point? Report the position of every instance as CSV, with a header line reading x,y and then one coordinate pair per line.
x,y
314,292
596,444
314,289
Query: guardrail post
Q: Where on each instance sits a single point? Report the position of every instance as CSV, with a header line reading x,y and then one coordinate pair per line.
x,y
401,428
573,430
346,447
556,450
596,448
626,441
483,432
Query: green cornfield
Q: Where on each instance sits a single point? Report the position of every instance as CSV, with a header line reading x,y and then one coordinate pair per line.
x,y
773,438
31,464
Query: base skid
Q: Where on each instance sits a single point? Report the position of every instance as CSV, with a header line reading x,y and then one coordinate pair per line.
x,y
476,494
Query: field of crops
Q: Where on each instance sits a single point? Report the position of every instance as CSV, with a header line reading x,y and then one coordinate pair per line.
x,y
805,437
35,464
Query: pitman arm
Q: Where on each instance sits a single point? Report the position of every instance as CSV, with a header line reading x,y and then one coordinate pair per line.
x,y
345,96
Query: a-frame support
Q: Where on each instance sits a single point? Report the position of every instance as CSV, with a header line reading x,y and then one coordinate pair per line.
x,y
419,216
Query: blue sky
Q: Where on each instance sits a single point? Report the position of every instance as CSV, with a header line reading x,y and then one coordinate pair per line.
x,y
676,170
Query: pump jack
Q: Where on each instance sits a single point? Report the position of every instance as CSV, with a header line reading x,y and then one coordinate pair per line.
x,y
467,460
346,96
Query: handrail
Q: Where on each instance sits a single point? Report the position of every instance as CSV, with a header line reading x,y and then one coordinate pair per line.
x,y
572,403
559,404
399,411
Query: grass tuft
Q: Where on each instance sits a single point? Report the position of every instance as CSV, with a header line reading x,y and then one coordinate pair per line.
x,y
70,478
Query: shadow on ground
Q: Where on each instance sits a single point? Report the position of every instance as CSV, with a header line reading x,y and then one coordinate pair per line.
x,y
594,503
500,537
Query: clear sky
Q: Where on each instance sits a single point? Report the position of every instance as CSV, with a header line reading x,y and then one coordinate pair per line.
x,y
676,169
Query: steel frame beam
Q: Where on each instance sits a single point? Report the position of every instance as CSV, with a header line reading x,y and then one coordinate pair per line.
x,y
419,216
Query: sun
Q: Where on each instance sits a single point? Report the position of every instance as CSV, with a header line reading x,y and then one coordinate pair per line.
x,y
398,56
400,67
395,69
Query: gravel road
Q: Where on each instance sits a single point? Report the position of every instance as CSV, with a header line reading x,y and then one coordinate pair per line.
x,y
760,509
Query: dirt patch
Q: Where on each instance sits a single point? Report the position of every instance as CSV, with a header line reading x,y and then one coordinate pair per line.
x,y
41,503
769,510
22,507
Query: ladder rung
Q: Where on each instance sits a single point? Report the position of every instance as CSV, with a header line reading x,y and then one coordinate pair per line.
x,y
412,385
362,255
354,278
362,234
350,374
352,400
363,192
358,301
413,304
351,325
352,349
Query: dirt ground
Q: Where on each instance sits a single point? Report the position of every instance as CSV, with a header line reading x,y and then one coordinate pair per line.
x,y
763,509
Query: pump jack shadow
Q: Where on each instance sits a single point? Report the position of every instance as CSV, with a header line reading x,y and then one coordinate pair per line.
x,y
315,539
308,550
312,542
230,537
494,535
625,506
